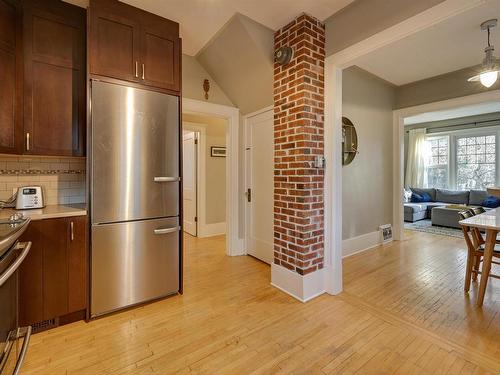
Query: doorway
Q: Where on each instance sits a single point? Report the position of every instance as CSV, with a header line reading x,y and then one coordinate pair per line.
x,y
205,173
259,151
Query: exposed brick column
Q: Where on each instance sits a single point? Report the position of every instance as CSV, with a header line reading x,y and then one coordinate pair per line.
x,y
298,138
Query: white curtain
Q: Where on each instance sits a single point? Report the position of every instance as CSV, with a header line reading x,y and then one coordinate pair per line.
x,y
415,164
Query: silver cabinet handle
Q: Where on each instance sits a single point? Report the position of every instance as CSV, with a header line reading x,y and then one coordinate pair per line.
x,y
136,69
24,349
143,69
72,228
27,141
166,179
167,230
26,246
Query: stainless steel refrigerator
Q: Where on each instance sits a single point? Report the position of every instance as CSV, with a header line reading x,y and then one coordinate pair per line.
x,y
134,196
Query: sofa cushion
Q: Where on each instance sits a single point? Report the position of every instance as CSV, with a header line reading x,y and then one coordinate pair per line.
x,y
476,197
414,207
452,196
421,191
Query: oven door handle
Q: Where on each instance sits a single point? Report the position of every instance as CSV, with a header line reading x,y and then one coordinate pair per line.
x,y
24,349
26,246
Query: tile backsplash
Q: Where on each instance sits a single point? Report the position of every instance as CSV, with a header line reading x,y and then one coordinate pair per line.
x,y
62,179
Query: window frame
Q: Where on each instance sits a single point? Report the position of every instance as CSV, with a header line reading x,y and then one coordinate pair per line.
x,y
447,136
453,137
483,133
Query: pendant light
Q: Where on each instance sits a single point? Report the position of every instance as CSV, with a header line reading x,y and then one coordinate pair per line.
x,y
490,69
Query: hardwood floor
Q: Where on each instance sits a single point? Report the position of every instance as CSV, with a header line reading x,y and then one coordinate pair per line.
x,y
403,311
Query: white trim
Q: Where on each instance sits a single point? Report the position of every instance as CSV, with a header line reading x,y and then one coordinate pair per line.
x,y
333,178
234,245
430,17
258,112
398,144
333,125
303,288
210,230
356,245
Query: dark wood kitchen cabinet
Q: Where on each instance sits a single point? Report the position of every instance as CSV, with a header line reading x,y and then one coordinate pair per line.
x,y
53,277
54,39
130,44
11,126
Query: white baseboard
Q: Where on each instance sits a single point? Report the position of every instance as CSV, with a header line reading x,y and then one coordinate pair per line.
x,y
210,230
303,288
361,243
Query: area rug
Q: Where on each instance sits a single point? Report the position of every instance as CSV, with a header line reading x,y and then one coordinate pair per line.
x,y
427,227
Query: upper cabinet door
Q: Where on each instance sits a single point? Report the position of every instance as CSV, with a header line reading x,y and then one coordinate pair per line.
x,y
130,44
114,41
161,59
54,78
10,69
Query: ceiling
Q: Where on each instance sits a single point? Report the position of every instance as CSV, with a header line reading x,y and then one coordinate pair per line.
x,y
451,45
465,111
201,19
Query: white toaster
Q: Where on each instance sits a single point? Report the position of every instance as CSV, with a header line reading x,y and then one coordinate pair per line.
x,y
29,197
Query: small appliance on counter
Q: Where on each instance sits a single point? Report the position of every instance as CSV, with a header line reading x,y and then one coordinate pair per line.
x,y
29,197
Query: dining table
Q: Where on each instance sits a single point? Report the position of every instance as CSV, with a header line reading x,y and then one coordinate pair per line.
x,y
489,222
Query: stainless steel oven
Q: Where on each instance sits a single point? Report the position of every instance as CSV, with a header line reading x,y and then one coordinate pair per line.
x,y
14,340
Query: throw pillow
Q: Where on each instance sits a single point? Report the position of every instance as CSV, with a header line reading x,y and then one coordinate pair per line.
x,y
421,198
407,195
491,202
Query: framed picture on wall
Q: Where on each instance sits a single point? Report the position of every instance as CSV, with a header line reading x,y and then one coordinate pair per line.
x,y
218,152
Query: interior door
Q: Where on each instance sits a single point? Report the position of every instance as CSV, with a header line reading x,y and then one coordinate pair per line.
x,y
189,165
260,186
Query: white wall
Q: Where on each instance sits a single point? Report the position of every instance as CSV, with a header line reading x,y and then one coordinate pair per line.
x,y
215,171
367,182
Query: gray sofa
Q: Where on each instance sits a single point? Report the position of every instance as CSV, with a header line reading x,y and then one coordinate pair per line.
x,y
436,209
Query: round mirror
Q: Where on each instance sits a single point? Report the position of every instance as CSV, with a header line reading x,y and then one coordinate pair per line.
x,y
349,141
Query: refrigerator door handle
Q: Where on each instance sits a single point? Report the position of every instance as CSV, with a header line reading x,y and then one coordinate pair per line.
x,y
166,179
167,230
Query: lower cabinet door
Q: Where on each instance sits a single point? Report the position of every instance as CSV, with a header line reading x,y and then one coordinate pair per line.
x,y
55,268
77,264
133,262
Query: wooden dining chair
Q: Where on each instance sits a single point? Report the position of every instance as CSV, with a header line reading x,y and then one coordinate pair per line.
x,y
475,250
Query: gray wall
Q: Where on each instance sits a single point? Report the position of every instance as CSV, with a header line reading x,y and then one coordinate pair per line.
x,y
367,182
240,58
193,75
446,86
364,18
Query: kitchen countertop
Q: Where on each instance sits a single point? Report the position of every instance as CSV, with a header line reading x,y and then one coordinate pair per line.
x,y
48,212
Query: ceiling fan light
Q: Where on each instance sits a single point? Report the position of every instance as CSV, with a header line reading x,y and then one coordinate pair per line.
x,y
488,78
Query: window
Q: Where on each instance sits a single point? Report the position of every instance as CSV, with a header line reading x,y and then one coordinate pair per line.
x,y
437,162
476,162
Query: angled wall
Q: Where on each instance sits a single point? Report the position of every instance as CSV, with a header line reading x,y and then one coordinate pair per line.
x,y
193,75
240,59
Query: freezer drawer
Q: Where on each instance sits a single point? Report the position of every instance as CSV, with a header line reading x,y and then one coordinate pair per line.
x,y
135,154
133,262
